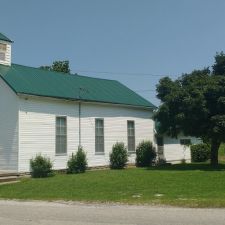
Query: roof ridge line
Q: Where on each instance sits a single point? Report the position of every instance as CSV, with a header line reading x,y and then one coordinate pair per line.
x,y
99,78
36,68
71,74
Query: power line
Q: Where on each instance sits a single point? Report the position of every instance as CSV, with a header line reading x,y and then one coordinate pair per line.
x,y
123,73
146,90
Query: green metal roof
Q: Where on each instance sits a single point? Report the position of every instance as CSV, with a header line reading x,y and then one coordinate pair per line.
x,y
4,38
38,82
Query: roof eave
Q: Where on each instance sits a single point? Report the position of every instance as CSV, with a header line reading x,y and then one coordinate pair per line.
x,y
6,40
86,100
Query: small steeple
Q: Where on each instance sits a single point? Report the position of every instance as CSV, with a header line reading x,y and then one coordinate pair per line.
x,y
5,50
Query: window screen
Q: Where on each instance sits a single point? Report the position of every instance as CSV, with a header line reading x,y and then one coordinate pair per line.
x,y
99,136
61,135
131,136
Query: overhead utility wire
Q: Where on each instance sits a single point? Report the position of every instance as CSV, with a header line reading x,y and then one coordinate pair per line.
x,y
145,90
123,73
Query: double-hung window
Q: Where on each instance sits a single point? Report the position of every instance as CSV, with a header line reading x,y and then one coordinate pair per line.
x,y
131,136
99,136
2,51
61,135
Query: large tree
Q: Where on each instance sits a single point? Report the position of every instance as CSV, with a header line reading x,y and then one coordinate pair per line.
x,y
219,66
194,104
58,66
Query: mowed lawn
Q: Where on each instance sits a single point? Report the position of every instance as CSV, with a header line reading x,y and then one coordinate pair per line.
x,y
193,185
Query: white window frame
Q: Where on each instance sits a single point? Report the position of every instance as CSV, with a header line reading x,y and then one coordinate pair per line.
x,y
60,136
98,150
129,137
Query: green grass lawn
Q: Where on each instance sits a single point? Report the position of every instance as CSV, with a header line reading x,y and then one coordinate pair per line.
x,y
193,185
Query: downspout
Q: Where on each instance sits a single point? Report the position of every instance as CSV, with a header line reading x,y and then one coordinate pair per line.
x,y
79,123
80,100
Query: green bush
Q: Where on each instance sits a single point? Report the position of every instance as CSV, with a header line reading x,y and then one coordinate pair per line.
x,y
145,154
40,166
161,161
200,152
78,162
118,157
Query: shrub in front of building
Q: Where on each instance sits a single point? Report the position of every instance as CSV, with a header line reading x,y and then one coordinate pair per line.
x,y
119,156
200,152
145,154
40,166
78,162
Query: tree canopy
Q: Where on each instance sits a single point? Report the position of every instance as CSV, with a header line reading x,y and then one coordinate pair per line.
x,y
194,104
219,66
58,66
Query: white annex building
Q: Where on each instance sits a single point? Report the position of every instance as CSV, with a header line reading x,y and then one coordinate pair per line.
x,y
53,113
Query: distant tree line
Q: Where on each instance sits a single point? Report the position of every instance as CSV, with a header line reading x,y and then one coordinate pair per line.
x,y
58,66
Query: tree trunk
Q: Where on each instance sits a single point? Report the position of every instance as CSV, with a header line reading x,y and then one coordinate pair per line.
x,y
215,144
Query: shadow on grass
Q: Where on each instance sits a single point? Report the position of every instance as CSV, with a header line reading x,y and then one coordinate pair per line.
x,y
188,167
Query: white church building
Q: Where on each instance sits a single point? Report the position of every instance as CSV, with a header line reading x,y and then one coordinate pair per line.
x,y
53,113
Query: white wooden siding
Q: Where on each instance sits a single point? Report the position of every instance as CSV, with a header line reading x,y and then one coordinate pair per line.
x,y
37,129
8,54
174,151
8,128
115,128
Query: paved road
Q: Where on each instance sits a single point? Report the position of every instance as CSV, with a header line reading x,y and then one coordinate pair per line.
x,y
43,213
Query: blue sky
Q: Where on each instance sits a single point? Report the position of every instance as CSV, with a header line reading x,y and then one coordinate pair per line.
x,y
127,38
